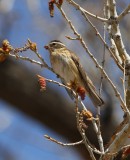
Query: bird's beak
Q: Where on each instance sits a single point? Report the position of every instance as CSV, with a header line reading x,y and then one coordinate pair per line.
x,y
46,47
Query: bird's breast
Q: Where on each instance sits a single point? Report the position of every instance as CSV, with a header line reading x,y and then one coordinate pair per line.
x,y
64,66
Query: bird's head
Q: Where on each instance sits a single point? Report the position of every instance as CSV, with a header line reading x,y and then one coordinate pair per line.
x,y
55,44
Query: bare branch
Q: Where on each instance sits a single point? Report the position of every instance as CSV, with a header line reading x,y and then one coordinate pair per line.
x,y
61,143
98,133
124,82
27,59
30,45
58,83
78,7
119,137
97,33
116,53
119,140
115,33
71,38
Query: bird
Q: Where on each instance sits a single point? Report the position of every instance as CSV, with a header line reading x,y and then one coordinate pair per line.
x,y
66,65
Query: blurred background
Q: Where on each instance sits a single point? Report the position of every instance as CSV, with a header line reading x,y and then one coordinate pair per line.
x,y
26,114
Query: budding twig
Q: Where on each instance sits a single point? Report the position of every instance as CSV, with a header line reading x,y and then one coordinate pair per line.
x,y
78,100
82,132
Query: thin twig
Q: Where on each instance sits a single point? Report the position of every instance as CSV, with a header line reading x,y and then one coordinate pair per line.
x,y
125,12
43,64
27,59
122,148
99,136
124,88
62,85
100,89
58,83
126,146
119,140
74,93
43,61
119,137
103,63
86,12
61,143
71,38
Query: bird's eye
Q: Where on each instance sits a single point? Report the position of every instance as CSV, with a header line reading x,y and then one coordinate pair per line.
x,y
53,44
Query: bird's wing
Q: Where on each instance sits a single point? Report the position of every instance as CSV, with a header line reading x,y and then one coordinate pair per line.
x,y
90,88
86,80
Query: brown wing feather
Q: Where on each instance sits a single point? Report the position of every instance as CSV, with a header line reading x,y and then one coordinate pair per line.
x,y
87,82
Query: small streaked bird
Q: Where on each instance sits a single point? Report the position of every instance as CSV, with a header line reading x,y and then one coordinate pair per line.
x,y
67,66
